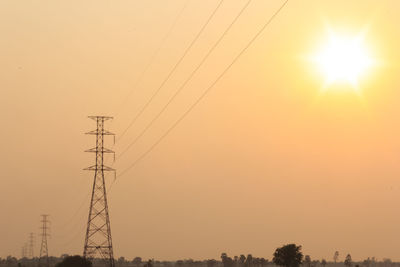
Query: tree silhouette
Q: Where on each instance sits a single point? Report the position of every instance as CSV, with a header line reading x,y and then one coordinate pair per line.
x,y
74,261
211,263
121,261
242,259
323,262
11,260
263,262
288,255
307,261
348,261
249,260
236,260
367,262
314,263
149,263
226,261
336,256
137,261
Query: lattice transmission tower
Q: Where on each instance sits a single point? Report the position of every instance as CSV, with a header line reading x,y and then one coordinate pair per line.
x,y
98,240
44,252
30,245
23,250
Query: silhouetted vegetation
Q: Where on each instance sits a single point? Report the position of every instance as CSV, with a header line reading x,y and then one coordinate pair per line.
x,y
307,261
348,262
288,256
336,256
242,261
75,261
137,261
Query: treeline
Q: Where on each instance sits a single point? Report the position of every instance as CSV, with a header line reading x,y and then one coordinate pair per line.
x,y
286,256
123,262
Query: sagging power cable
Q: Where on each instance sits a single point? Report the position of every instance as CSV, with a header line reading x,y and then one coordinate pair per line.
x,y
171,72
208,89
187,80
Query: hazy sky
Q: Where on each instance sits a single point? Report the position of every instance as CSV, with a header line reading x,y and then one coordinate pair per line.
x,y
265,159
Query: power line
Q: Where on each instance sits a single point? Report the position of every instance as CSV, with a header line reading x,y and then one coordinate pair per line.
x,y
75,236
188,79
172,70
71,219
244,49
206,23
138,81
146,68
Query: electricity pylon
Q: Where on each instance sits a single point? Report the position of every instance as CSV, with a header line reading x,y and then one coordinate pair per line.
x,y
30,246
44,252
24,248
98,234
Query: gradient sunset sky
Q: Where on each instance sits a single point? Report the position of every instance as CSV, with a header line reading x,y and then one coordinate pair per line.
x,y
269,156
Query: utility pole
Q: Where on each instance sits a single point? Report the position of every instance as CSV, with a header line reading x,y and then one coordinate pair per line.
x,y
30,248
44,252
98,234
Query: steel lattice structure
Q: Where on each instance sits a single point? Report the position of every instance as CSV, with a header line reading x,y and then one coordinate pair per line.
x,y
30,246
44,252
24,249
98,240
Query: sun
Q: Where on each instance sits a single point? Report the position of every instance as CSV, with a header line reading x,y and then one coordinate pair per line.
x,y
343,59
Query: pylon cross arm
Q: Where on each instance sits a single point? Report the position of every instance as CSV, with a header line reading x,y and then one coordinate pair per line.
x,y
95,168
100,132
104,118
104,150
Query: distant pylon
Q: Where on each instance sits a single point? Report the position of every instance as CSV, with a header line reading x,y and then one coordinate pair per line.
x,y
44,252
30,246
23,252
98,234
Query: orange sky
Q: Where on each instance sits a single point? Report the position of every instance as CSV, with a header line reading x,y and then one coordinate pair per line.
x,y
264,160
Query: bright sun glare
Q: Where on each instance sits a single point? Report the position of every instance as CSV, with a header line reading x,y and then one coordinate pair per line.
x,y
343,59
